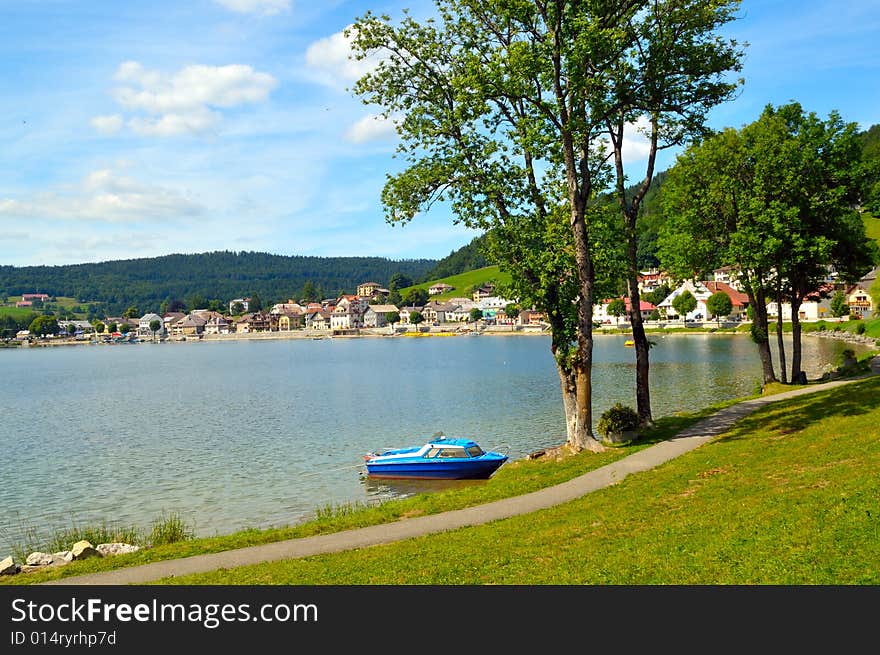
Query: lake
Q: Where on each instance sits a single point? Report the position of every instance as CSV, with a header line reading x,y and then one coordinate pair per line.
x,y
253,433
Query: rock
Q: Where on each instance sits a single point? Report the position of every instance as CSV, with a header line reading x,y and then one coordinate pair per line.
x,y
8,566
28,568
62,557
83,550
38,559
116,548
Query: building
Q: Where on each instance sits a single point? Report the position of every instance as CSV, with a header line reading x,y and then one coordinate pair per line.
x,y
39,297
218,324
859,301
368,289
601,315
440,287
375,315
483,292
143,328
702,291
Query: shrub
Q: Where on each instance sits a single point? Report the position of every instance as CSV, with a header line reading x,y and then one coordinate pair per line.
x,y
169,529
860,328
616,419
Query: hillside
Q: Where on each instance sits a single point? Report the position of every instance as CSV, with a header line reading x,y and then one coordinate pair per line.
x,y
463,283
467,258
197,279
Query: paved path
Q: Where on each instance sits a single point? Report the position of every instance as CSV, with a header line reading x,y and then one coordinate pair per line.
x,y
643,460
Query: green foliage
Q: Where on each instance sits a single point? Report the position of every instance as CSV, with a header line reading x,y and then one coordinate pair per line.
x,y
719,304
616,419
155,325
467,258
684,303
43,325
392,317
168,529
416,317
476,314
838,304
658,295
415,298
617,307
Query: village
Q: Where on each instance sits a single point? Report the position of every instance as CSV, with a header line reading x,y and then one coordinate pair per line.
x,y
368,312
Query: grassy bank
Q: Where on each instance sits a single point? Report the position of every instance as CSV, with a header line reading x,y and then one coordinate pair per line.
x,y
514,478
789,496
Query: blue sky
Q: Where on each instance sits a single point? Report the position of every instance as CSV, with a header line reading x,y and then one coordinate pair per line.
x,y
136,129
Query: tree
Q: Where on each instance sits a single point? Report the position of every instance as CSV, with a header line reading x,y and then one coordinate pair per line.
x,y
415,298
98,326
131,312
155,326
774,200
392,317
617,308
476,314
674,71
125,328
838,304
399,281
309,293
416,317
237,308
719,304
684,303
504,111
111,328
196,301
44,325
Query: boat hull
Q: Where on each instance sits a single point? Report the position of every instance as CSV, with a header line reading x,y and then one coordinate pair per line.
x,y
433,470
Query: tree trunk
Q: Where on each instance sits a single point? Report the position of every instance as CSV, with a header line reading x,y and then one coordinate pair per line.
x,y
760,335
780,343
640,342
796,352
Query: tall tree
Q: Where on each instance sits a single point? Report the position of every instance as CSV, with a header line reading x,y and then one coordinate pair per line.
x,y
674,70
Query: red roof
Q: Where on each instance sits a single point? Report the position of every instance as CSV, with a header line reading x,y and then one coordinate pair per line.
x,y
738,298
643,305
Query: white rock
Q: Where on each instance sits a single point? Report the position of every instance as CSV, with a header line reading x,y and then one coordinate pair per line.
x,y
62,557
116,548
38,559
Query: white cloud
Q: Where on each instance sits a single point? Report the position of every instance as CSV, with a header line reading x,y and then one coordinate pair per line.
x,y
107,124
636,145
104,196
262,7
186,101
372,127
331,58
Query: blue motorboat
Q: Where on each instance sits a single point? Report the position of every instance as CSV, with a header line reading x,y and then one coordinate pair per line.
x,y
442,458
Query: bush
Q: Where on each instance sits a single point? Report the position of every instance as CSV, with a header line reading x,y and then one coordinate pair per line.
x,y
860,328
617,419
169,529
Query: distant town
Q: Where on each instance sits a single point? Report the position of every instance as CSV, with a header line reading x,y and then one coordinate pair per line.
x,y
370,311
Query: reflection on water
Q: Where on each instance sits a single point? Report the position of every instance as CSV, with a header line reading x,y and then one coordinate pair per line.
x,y
384,489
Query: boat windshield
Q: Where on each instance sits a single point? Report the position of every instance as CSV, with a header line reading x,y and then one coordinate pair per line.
x,y
475,451
452,452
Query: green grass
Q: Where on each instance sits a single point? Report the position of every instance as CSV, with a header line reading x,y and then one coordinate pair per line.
x,y
17,313
514,478
789,496
462,282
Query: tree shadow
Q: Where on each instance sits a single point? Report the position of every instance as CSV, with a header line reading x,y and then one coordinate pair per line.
x,y
796,414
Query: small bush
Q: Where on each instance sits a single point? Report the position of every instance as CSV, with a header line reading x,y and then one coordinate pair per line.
x,y
860,328
169,529
618,418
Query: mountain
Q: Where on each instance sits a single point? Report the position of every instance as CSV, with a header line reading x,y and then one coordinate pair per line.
x,y
198,279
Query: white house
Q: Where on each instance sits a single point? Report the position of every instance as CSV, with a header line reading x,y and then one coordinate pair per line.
x,y
375,315
143,329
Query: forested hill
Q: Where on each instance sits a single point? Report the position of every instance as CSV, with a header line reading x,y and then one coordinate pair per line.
x,y
197,279
467,258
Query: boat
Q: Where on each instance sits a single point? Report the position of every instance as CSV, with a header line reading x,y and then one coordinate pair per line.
x,y
442,458
629,342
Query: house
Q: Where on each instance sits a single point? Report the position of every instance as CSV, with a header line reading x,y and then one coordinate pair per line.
x,y
406,311
244,302
218,324
317,320
34,297
738,300
702,291
143,327
289,319
436,312
169,319
440,287
375,315
859,300
286,307
368,289
190,325
531,317
24,303
483,292
729,275
601,315
347,314
814,307
651,280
